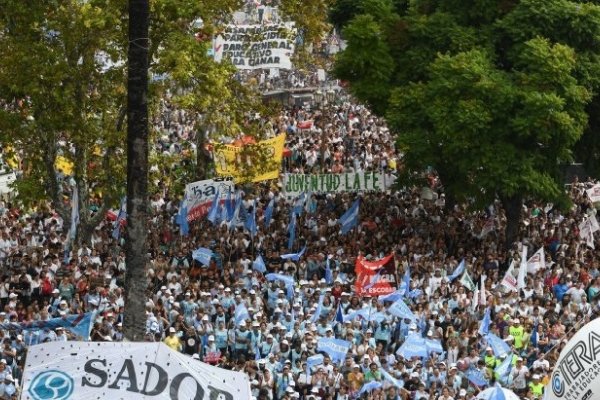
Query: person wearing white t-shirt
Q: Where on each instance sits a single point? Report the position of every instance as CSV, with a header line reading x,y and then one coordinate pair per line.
x,y
577,293
520,373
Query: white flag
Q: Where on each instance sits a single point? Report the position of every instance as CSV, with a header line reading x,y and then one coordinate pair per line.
x,y
586,232
537,261
594,223
475,302
483,293
522,269
509,281
467,282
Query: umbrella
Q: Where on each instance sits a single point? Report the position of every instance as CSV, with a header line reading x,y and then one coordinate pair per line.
x,y
497,392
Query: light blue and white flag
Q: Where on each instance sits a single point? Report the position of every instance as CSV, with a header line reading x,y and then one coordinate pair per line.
x,y
394,296
259,264
336,348
328,273
312,362
349,219
498,345
339,314
78,324
317,313
182,218
233,222
250,223
503,370
202,255
458,271
241,314
369,387
269,212
213,212
388,377
476,377
400,309
413,346
299,204
294,256
292,230
484,325
434,346
288,280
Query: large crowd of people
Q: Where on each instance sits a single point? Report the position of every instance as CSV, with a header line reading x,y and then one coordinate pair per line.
x,y
194,308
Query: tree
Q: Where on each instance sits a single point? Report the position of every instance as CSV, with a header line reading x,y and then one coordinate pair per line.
x,y
492,95
137,169
63,97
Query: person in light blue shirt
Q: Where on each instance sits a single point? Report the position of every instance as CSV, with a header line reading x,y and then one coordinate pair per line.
x,y
221,337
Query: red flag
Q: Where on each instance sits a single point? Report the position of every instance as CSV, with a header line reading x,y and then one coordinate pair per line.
x,y
375,278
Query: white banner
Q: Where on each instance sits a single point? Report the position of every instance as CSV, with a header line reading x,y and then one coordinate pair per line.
x,y
295,184
594,193
127,371
509,281
256,46
536,262
200,195
577,372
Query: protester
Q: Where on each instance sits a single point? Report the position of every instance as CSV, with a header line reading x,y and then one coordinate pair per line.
x,y
250,309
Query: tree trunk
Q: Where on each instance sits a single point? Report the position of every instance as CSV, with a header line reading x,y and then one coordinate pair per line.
x,y
512,207
202,159
137,171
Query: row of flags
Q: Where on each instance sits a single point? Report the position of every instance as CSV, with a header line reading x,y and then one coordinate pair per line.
x,y
233,212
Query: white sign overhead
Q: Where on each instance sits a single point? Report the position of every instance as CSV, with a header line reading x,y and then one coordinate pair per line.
x,y
576,375
127,371
200,195
256,46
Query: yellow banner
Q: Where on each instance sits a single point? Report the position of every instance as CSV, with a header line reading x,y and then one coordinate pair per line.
x,y
252,162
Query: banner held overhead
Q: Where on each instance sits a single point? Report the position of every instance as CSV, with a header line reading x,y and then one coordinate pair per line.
x,y
125,370
200,195
363,181
256,46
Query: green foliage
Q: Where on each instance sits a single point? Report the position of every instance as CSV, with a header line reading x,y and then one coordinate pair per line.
x,y
63,74
367,63
343,11
493,95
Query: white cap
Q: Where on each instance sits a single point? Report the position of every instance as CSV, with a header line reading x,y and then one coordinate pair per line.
x,y
535,376
211,338
172,330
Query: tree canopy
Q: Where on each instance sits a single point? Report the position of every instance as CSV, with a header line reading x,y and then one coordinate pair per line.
x,y
62,82
492,95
